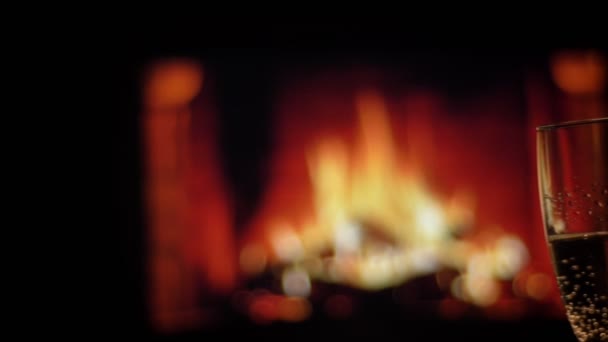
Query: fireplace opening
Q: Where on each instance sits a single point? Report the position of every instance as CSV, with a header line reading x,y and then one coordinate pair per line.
x,y
341,188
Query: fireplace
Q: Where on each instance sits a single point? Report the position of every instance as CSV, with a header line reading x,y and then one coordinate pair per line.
x,y
329,188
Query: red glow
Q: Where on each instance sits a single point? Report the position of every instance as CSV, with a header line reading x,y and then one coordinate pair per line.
x,y
172,83
188,211
264,310
579,72
450,308
294,309
339,306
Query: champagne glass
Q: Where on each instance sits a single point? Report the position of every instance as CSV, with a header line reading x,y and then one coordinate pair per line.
x,y
573,186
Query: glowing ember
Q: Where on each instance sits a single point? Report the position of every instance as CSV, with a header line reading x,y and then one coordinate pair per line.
x,y
296,283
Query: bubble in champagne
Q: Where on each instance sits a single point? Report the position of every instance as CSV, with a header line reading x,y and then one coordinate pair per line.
x,y
587,307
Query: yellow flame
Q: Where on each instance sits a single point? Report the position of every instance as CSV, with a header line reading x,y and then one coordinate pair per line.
x,y
381,222
329,175
369,185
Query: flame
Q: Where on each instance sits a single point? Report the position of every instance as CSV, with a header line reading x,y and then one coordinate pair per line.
x,y
372,189
377,223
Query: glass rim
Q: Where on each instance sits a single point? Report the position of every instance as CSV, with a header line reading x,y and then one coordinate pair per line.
x,y
571,123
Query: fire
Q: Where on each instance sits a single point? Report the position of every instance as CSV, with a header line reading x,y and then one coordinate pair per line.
x,y
373,189
377,223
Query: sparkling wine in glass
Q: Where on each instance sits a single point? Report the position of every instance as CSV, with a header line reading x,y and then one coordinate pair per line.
x,y
573,186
